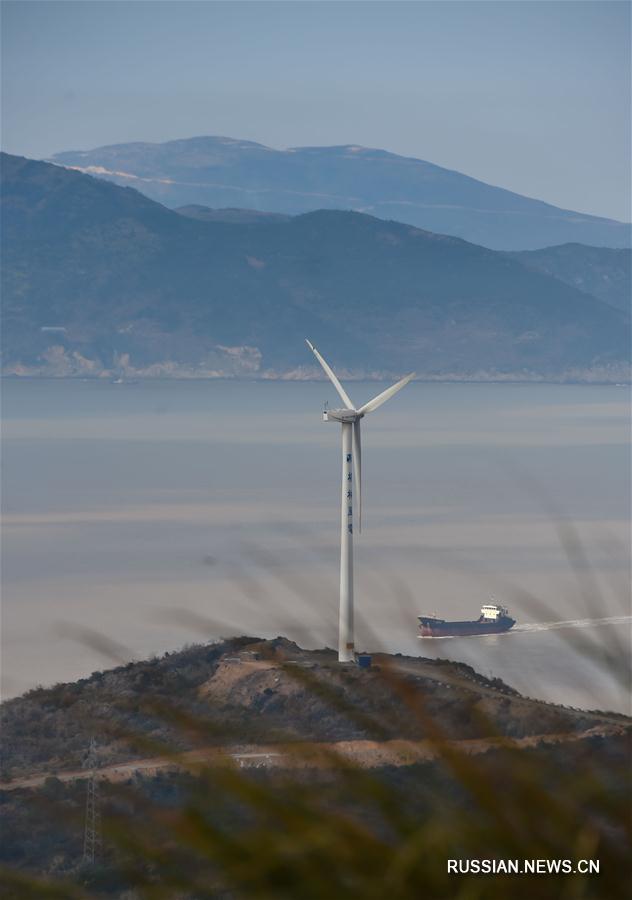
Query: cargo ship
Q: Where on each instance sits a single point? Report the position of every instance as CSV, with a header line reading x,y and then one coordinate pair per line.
x,y
492,620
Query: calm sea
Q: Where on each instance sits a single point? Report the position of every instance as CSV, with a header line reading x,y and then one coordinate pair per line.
x,y
139,517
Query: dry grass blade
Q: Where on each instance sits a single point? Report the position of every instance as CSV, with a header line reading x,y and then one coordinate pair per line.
x,y
318,824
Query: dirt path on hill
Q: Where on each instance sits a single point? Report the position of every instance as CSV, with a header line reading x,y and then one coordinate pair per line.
x,y
421,669
366,754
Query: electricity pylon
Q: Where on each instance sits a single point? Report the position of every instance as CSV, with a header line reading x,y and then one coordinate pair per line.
x,y
92,831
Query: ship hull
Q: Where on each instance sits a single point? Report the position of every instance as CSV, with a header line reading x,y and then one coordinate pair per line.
x,y
439,628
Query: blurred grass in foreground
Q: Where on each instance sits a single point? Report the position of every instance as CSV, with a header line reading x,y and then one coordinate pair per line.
x,y
324,827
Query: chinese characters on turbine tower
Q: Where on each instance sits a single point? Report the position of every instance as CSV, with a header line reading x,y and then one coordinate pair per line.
x,y
349,495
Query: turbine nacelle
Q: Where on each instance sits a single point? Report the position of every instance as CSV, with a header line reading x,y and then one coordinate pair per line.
x,y
342,415
351,415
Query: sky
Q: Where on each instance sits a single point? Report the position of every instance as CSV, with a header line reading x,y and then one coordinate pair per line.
x,y
528,95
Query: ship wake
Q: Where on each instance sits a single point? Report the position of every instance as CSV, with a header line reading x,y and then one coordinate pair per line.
x,y
571,623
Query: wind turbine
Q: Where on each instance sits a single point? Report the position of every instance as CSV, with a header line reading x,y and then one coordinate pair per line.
x,y
350,417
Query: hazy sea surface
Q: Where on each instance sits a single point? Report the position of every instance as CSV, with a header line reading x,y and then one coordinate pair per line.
x,y
165,512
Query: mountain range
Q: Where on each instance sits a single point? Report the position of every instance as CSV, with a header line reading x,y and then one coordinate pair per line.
x,y
99,279
604,272
601,271
224,172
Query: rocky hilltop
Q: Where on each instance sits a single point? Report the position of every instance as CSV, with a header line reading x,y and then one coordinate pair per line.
x,y
246,693
227,763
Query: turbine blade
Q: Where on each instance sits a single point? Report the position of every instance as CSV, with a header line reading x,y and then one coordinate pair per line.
x,y
357,472
385,395
332,377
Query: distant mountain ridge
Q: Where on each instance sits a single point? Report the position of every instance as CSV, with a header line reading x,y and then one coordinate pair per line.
x,y
224,172
235,216
98,279
600,271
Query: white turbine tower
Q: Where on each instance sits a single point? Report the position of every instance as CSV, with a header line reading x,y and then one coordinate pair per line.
x,y
349,417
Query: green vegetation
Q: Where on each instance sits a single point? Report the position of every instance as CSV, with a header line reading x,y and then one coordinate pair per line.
x,y
48,729
320,822
225,833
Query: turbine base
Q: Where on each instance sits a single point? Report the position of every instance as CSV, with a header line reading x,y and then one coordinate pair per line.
x,y
346,654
